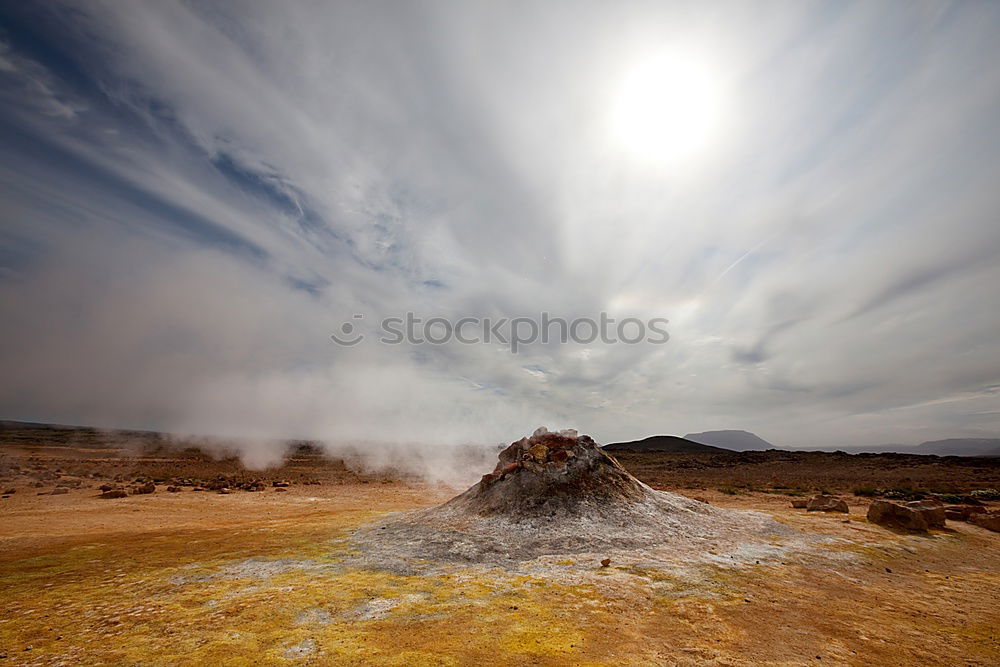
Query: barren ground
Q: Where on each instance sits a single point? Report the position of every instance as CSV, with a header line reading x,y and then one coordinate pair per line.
x,y
271,577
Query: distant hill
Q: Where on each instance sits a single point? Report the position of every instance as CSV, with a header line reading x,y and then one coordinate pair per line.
x,y
948,447
960,447
738,441
663,443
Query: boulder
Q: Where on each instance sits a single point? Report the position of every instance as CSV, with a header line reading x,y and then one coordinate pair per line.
x,y
962,512
825,503
933,511
886,513
987,520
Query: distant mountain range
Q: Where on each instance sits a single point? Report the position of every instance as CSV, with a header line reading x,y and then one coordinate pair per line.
x,y
737,441
663,443
744,441
705,442
949,447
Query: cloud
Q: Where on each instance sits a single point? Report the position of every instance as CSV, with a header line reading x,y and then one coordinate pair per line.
x,y
196,197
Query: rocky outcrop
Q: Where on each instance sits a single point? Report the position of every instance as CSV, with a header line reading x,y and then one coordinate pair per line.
x,y
826,503
918,515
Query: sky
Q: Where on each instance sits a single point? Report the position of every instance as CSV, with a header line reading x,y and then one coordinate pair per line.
x,y
195,195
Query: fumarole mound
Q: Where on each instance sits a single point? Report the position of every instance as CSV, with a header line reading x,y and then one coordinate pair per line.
x,y
555,493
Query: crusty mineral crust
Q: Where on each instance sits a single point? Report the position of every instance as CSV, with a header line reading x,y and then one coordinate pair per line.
x,y
550,472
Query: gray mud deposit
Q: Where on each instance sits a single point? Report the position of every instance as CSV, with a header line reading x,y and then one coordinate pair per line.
x,y
556,494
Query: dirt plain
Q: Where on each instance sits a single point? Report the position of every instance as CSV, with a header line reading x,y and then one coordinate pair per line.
x,y
266,577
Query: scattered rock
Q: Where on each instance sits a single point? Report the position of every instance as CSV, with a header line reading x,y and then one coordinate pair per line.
x,y
800,503
885,513
825,503
225,491
987,520
606,562
107,487
962,512
115,493
144,489
173,489
280,485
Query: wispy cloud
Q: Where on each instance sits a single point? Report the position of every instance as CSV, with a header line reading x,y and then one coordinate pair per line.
x,y
196,196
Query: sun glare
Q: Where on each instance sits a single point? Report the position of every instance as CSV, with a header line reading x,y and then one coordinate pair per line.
x,y
667,108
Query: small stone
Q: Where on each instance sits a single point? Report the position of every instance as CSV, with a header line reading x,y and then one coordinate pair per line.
x,y
225,491
280,484
606,562
114,493
10,492
59,490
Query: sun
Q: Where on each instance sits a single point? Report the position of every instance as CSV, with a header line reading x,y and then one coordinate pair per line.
x,y
667,108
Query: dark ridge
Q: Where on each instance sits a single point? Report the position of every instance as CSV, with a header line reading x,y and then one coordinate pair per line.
x,y
665,443
739,441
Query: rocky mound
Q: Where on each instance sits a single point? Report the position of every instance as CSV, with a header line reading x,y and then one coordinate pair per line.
x,y
554,493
